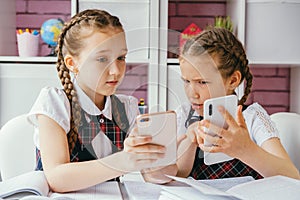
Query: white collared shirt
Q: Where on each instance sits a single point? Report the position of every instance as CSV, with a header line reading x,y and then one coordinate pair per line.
x,y
54,103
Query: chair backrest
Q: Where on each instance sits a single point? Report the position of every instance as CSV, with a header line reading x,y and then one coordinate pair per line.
x,y
17,150
288,125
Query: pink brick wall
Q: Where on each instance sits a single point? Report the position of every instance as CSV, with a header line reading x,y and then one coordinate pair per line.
x,y
271,88
32,13
270,85
135,81
182,14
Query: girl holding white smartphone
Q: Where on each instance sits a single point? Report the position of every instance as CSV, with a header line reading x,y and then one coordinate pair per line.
x,y
214,64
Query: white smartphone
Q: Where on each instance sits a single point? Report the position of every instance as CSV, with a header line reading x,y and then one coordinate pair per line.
x,y
212,114
163,129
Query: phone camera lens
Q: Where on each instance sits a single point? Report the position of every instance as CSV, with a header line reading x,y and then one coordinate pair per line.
x,y
210,109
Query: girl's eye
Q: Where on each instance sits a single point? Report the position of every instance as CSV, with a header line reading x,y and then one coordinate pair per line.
x,y
122,58
203,82
185,81
102,59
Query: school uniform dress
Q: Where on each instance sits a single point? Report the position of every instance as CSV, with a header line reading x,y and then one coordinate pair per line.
x,y
98,134
260,128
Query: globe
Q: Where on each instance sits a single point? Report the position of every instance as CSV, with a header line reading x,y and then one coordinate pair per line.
x,y
50,31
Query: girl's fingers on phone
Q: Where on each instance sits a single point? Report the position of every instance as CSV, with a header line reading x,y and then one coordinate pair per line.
x,y
227,116
139,157
209,138
191,132
240,118
134,140
145,162
211,149
240,122
213,128
149,156
146,148
200,133
150,148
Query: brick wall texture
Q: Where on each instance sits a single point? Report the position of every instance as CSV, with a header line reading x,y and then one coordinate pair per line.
x,y
271,85
32,13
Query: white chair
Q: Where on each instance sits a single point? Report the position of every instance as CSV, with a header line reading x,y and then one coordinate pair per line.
x,y
288,125
17,150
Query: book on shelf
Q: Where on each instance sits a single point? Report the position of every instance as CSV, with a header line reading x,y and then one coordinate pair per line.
x,y
242,188
33,185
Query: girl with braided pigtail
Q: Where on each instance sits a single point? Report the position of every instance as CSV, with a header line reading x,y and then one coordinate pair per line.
x,y
214,64
85,134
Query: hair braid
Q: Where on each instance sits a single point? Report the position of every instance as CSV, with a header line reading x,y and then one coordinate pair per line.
x,y
65,79
249,78
70,42
243,67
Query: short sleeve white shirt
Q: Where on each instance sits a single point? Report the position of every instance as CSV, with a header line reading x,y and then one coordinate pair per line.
x,y
54,103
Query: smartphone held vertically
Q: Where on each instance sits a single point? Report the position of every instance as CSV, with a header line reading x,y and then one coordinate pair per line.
x,y
163,129
212,114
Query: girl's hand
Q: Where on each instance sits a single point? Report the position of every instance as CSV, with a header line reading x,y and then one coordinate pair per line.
x,y
139,152
192,134
233,141
158,174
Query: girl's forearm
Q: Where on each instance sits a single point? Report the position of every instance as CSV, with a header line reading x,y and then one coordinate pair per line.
x,y
268,164
186,156
79,175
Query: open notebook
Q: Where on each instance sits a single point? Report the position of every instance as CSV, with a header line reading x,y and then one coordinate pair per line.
x,y
33,185
275,188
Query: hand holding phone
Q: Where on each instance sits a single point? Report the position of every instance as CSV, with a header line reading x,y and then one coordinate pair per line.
x,y
212,114
162,127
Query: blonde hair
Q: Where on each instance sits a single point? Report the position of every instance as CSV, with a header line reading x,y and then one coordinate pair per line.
x,y
71,42
222,45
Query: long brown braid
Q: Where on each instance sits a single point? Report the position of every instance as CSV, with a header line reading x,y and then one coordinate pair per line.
x,y
223,45
71,42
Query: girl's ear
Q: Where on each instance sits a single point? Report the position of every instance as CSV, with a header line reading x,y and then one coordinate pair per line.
x,y
70,64
235,79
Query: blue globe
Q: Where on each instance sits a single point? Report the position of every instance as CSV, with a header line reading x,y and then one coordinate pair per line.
x,y
50,31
